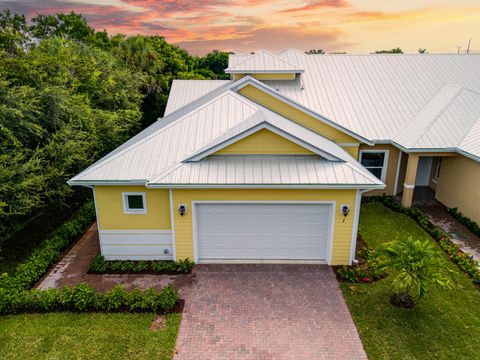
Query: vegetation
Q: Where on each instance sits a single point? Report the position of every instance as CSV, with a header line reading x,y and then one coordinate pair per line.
x,y
414,265
102,266
315,52
463,260
68,96
470,224
443,325
84,298
392,51
366,270
87,336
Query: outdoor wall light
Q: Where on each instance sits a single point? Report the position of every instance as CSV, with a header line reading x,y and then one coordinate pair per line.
x,y
165,251
182,209
345,211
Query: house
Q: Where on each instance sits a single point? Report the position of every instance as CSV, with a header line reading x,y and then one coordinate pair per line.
x,y
271,165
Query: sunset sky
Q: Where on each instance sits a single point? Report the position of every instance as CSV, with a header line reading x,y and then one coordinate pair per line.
x,y
354,26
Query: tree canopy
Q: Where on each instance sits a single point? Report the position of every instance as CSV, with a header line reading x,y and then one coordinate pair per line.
x,y
69,94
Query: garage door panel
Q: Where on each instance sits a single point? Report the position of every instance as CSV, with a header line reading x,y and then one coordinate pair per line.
x,y
263,231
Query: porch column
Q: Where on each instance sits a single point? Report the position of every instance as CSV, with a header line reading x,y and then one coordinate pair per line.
x,y
410,176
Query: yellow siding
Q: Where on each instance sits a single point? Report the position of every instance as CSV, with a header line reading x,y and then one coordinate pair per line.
x,y
352,150
264,142
278,76
110,209
392,165
296,115
342,230
459,185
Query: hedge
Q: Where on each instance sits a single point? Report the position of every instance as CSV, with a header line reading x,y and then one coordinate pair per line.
x,y
84,298
464,261
470,224
102,266
50,250
16,295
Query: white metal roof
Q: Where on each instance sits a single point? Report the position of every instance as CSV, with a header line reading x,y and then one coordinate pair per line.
x,y
184,92
251,170
261,62
157,152
444,122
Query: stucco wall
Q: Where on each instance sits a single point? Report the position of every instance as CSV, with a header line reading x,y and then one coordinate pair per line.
x,y
459,185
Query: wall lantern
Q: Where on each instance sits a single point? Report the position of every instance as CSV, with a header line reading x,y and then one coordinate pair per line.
x,y
182,209
345,211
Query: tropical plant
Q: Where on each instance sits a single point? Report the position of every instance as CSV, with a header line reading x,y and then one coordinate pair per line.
x,y
415,265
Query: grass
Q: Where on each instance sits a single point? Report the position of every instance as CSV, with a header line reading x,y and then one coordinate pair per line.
x,y
86,336
444,325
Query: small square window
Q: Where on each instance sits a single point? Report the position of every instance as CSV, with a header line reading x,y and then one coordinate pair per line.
x,y
134,203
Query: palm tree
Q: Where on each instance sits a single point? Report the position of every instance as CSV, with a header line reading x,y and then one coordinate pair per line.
x,y
415,265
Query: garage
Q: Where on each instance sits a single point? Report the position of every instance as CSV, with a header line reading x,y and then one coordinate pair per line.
x,y
253,232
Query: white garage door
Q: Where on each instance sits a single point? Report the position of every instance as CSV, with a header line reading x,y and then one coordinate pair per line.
x,y
260,231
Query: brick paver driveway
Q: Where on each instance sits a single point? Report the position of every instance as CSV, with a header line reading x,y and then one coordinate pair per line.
x,y
266,312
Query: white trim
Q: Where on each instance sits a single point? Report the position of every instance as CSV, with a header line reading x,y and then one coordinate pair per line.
x,y
261,126
249,80
349,144
408,186
98,220
356,218
385,161
438,166
127,210
105,182
331,231
119,231
260,186
252,72
266,261
172,222
400,154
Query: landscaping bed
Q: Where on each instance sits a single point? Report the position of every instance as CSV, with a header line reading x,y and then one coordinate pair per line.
x,y
444,324
102,266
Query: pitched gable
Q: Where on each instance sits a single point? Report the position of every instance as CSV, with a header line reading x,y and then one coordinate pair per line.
x,y
264,141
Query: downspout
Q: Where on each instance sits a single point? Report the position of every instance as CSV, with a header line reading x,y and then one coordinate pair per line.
x,y
356,216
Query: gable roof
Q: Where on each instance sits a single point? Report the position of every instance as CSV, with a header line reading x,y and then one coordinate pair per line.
x,y
444,121
262,62
164,149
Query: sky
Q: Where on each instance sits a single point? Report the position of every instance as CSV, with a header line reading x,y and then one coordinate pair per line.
x,y
243,26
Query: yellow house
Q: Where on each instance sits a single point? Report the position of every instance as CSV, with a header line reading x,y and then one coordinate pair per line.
x,y
270,166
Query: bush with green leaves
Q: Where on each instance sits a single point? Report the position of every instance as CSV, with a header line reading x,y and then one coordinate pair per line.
x,y
463,260
31,270
414,265
470,224
368,269
84,298
102,266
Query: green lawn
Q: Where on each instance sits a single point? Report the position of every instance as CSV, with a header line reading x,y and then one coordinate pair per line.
x,y
442,326
86,336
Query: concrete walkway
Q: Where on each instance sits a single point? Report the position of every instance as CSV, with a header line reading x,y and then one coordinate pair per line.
x,y
459,234
72,270
266,312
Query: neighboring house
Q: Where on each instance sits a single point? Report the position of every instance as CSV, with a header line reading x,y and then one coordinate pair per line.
x,y
271,165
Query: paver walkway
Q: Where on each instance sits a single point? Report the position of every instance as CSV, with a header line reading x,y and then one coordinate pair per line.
x,y
266,312
73,267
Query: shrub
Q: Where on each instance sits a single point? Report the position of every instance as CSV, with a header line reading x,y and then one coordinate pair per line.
x,y
415,265
470,224
84,298
31,270
100,265
464,261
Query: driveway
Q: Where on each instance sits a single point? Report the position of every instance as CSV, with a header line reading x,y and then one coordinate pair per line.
x,y
266,312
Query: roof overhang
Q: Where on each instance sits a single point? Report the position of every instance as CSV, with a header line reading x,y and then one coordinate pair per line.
x,y
233,71
265,186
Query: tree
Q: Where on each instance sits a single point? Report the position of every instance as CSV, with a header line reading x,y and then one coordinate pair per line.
x,y
415,265
315,51
392,51
13,32
215,61
422,51
69,26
